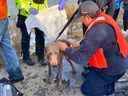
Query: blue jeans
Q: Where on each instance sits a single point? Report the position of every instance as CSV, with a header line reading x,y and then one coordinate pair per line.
x,y
8,53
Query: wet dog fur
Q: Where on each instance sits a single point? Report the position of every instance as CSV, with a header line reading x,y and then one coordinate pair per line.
x,y
54,53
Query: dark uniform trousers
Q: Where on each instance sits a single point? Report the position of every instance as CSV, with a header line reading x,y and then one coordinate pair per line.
x,y
25,41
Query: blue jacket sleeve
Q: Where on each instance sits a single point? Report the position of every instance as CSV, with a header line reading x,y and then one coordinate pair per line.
x,y
92,41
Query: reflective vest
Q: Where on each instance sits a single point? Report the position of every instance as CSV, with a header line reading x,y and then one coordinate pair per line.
x,y
26,5
3,9
98,60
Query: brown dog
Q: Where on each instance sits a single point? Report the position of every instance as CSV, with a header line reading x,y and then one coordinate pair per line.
x,y
55,57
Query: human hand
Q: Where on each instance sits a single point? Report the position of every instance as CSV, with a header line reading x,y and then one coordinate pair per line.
x,y
61,4
74,45
61,45
34,11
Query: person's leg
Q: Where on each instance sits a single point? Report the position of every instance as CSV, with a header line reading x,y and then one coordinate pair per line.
x,y
111,83
110,10
93,85
116,12
25,42
9,54
40,45
125,19
98,84
25,39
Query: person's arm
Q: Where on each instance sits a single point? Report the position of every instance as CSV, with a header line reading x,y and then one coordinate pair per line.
x,y
93,40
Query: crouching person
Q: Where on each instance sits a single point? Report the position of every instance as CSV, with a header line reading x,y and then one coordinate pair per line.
x,y
103,49
8,53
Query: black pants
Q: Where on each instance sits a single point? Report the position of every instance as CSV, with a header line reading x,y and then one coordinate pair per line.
x,y
25,41
116,12
125,19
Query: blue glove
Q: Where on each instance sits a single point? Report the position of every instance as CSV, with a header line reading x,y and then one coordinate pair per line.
x,y
61,4
34,11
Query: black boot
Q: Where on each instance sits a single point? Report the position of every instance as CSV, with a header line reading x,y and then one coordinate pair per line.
x,y
41,60
29,62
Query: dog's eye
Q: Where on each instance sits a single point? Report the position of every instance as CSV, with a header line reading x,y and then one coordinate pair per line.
x,y
56,53
49,54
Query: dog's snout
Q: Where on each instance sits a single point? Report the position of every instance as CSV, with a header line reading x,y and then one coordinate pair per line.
x,y
53,59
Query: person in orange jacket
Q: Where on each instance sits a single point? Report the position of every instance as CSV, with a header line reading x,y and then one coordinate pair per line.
x,y
8,53
103,50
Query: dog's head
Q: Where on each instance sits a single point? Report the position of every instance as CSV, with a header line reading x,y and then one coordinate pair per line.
x,y
53,54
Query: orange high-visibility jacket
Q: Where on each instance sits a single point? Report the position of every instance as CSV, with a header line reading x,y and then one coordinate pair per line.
x,y
98,60
3,9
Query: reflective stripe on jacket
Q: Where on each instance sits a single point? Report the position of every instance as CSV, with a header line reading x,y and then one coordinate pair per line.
x,y
98,59
3,9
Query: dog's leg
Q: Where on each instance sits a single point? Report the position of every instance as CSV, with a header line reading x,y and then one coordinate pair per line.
x,y
59,76
49,70
71,64
60,68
